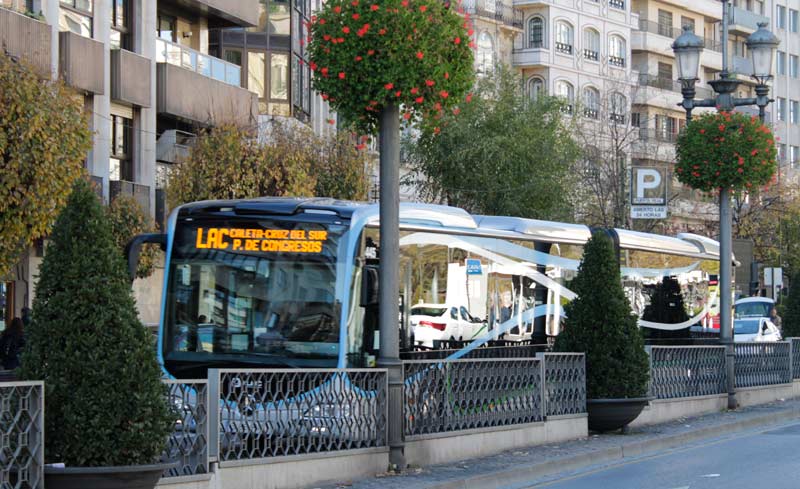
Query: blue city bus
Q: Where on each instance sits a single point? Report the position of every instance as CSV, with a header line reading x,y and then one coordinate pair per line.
x,y
292,283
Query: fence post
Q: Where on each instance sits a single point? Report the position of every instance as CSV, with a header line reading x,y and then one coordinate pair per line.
x,y
791,362
213,414
543,386
649,350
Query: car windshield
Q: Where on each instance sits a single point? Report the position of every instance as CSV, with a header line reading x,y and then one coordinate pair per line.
x,y
749,326
252,292
428,311
752,309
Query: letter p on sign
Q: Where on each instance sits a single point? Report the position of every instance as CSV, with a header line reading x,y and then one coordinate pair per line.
x,y
646,178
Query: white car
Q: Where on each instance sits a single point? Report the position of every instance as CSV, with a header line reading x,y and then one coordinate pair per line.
x,y
753,307
756,329
431,322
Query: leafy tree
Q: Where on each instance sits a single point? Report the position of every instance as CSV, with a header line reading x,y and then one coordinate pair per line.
x,y
127,219
502,154
228,162
105,403
43,142
790,320
599,322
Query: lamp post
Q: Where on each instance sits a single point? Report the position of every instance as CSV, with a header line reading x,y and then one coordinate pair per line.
x,y
687,47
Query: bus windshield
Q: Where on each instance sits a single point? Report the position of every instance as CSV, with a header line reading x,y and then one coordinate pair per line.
x,y
251,292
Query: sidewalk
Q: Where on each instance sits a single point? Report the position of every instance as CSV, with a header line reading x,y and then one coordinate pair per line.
x,y
511,469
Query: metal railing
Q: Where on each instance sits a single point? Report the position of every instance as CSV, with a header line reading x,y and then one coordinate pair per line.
x,y
188,443
272,413
617,4
495,9
758,364
460,395
650,134
686,371
563,48
204,64
664,83
617,61
564,383
795,357
22,435
591,54
673,32
520,351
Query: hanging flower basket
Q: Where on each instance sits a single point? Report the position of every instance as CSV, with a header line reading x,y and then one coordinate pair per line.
x,y
726,150
367,54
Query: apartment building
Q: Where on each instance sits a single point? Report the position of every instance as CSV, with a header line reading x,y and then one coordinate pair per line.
x,y
785,112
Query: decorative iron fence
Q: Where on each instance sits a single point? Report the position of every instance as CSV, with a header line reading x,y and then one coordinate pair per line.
x,y
467,394
564,383
188,443
759,364
686,371
521,351
795,357
273,413
22,435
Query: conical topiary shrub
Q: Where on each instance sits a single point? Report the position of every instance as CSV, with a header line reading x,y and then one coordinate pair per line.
x,y
599,322
666,306
105,403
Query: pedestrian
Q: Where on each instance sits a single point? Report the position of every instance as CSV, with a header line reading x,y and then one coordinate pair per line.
x,y
26,316
776,320
11,342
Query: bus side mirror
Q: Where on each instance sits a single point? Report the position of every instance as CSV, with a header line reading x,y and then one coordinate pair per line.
x,y
134,248
369,286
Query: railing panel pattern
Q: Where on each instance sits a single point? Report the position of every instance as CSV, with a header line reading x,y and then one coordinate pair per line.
x,y
795,357
467,394
271,413
565,383
21,435
188,443
687,371
762,364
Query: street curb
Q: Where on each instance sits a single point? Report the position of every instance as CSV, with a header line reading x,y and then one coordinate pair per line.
x,y
522,474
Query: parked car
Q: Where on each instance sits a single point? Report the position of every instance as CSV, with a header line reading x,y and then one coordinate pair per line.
x,y
752,307
431,322
756,329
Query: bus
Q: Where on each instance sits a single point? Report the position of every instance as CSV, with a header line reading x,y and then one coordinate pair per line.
x,y
292,282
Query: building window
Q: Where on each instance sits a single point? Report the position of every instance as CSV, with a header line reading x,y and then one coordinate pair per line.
x,y
565,91
793,20
794,114
781,63
536,32
618,108
794,153
780,17
300,92
564,37
688,22
167,28
616,51
759,7
636,119
794,65
535,88
120,167
781,109
591,44
76,16
484,56
665,71
591,101
120,27
665,23
782,152
666,128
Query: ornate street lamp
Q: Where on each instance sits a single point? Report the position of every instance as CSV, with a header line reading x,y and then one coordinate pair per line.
x,y
687,48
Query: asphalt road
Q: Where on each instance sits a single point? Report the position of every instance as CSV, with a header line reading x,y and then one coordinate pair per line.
x,y
766,459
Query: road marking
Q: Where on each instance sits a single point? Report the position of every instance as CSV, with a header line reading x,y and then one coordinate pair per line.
x,y
710,475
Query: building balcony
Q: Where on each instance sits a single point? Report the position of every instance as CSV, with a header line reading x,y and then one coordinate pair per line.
x,y
191,96
26,38
130,78
220,13
80,62
744,22
173,145
496,10
139,192
204,64
710,9
531,57
667,34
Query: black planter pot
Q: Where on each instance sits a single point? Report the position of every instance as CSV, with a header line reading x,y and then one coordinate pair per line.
x,y
613,414
117,477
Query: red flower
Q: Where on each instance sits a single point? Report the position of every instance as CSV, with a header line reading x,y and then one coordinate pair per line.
x,y
469,97
420,55
341,75
438,106
423,8
356,16
341,40
456,111
325,96
444,94
457,40
374,7
382,31
472,44
337,9
321,21
419,100
414,91
404,3
702,131
436,130
361,146
324,71
470,32
721,127
389,86
312,65
365,27
407,116
354,3
359,58
326,37
717,174
430,83
398,93
740,170
754,152
346,30
331,121
446,75
371,52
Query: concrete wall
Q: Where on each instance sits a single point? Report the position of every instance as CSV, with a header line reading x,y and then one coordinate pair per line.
x,y
752,396
450,447
664,410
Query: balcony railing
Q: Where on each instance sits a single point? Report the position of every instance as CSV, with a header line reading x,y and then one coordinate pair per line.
x,y
617,4
175,54
24,37
591,55
671,85
495,9
648,134
563,48
141,193
672,33
616,118
591,113
617,61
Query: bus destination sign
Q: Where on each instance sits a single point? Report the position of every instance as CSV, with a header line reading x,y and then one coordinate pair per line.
x,y
266,240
